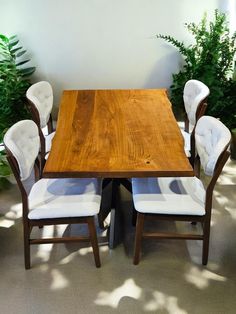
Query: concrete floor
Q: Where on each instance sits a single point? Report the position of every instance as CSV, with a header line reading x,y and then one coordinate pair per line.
x,y
169,278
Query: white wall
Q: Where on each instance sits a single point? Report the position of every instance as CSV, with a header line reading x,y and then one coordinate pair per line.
x,y
102,43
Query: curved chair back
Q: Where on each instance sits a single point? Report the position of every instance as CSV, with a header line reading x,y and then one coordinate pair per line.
x,y
23,143
40,99
40,96
212,138
195,95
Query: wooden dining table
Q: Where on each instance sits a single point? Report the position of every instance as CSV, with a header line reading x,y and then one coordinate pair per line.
x,y
116,134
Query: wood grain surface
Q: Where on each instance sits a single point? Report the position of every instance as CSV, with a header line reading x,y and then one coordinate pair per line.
x,y
116,134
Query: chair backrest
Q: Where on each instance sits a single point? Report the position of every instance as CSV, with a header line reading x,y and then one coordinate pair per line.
x,y
41,97
22,141
212,138
195,92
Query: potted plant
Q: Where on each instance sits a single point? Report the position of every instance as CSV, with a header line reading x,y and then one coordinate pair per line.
x,y
209,59
5,171
14,81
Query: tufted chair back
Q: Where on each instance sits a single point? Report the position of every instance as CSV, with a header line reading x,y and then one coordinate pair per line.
x,y
194,93
41,95
211,138
22,140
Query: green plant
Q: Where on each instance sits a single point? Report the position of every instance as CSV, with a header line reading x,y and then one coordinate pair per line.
x,y
14,81
210,60
4,170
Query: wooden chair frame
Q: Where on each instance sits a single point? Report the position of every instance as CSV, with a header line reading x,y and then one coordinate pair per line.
x,y
200,112
205,220
28,224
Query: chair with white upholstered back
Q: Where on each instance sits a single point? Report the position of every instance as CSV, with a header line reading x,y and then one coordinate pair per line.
x,y
50,201
195,96
40,99
184,198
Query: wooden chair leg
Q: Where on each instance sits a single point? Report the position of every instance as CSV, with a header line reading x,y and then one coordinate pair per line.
x,y
205,247
27,247
138,237
100,221
94,241
134,216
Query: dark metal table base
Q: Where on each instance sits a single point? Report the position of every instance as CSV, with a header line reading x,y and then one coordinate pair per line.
x,y
115,231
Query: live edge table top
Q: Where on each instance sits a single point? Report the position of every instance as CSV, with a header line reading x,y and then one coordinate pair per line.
x,y
116,134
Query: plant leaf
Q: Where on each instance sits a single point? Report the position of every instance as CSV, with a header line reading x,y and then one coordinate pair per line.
x,y
22,62
12,37
12,44
19,54
15,50
4,38
27,71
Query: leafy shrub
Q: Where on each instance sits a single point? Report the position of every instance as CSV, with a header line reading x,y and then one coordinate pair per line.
x,y
14,81
210,60
5,170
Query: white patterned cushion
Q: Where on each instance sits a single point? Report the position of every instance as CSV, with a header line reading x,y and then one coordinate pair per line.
x,y
22,139
211,137
41,95
57,198
173,196
194,92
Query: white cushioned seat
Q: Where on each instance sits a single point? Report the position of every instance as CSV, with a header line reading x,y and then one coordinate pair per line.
x,y
57,198
174,196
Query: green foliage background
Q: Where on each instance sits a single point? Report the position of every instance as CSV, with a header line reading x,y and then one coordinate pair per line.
x,y
210,59
4,171
14,81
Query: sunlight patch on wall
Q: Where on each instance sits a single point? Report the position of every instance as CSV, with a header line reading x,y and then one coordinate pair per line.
x,y
112,299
